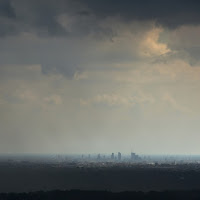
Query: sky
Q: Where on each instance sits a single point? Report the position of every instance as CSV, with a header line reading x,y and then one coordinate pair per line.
x,y
100,76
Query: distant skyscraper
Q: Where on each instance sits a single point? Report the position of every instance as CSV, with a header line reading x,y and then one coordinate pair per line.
x,y
132,156
98,157
112,156
135,157
119,156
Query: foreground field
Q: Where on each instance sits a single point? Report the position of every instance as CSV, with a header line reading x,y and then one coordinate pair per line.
x,y
27,177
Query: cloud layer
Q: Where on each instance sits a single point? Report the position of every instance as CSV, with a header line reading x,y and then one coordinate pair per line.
x,y
99,76
45,17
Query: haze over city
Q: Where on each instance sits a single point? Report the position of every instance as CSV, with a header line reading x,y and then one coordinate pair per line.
x,y
88,76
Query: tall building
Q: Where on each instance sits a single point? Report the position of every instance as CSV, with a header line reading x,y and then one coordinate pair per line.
x,y
98,157
135,157
112,156
132,156
119,156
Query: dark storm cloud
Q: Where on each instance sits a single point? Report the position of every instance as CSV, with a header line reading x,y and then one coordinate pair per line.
x,y
84,18
42,16
18,16
7,18
6,10
39,16
167,13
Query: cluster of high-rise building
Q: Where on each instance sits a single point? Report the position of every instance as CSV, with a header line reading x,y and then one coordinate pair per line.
x,y
117,157
134,156
112,157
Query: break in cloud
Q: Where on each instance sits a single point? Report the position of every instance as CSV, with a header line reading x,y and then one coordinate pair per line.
x,y
99,76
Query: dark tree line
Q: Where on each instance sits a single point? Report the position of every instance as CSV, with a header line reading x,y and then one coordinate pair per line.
x,y
103,195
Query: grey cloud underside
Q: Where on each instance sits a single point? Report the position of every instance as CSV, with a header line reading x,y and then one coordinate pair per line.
x,y
166,13
6,10
41,16
54,56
